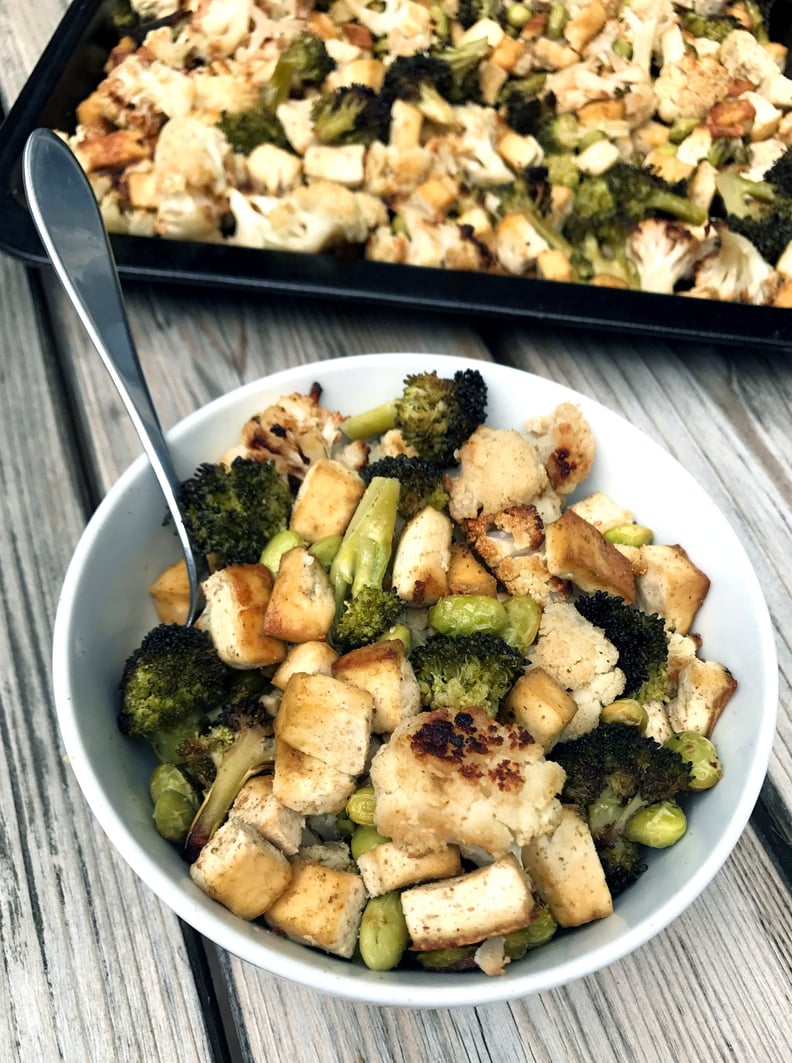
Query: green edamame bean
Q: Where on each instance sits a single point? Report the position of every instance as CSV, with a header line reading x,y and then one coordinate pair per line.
x,y
169,777
590,138
543,927
400,632
278,545
173,814
556,21
383,935
629,535
657,826
623,48
465,614
365,838
626,710
523,616
325,549
455,959
705,766
361,806
517,15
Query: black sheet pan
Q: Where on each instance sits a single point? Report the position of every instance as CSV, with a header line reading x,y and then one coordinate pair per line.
x,y
70,68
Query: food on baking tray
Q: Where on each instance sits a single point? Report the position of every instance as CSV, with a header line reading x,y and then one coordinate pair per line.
x,y
638,144
448,710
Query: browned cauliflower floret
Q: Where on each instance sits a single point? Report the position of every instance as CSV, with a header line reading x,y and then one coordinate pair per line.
x,y
565,444
513,531
294,432
498,468
579,657
689,88
220,26
190,155
462,778
746,59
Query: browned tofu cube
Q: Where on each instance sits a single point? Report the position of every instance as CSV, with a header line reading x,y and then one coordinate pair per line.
x,y
566,872
466,575
308,785
541,705
671,585
302,604
484,903
388,867
241,870
237,598
576,551
327,498
327,719
309,657
320,907
257,806
704,688
423,554
383,670
171,594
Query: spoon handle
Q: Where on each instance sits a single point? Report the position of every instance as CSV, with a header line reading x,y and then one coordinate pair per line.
x,y
66,214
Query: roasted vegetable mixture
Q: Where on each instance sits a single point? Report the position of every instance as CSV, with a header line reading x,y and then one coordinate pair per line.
x,y
637,144
434,711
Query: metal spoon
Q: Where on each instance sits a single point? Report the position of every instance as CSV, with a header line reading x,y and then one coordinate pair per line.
x,y
66,214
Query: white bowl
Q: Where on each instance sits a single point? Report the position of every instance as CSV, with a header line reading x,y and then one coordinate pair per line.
x,y
105,610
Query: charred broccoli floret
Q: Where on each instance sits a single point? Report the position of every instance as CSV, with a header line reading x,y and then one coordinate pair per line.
x,y
245,130
459,672
524,111
169,685
241,745
469,12
758,210
435,414
424,81
640,639
365,607
309,58
613,773
712,27
420,482
463,61
560,133
232,511
353,114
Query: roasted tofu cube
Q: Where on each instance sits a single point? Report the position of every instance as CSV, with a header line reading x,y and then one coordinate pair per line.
x,y
321,907
466,575
423,554
257,806
237,599
575,550
670,585
600,511
703,689
388,867
541,705
302,605
327,719
327,498
306,784
491,900
241,869
385,672
171,594
309,657
566,872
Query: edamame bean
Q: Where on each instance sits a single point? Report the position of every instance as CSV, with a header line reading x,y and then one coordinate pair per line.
x,y
400,632
383,935
278,545
657,826
361,806
556,21
465,614
523,616
536,933
169,777
173,814
365,838
626,710
325,549
517,15
629,535
460,958
705,766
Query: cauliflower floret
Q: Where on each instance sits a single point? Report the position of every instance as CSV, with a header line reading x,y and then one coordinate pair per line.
x,y
477,151
691,87
311,218
512,532
745,59
461,778
221,26
565,444
498,468
294,432
662,252
407,25
582,660
736,272
151,88
190,156
154,9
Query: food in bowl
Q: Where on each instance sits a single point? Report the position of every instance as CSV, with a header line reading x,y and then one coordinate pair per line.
x,y
441,700
639,146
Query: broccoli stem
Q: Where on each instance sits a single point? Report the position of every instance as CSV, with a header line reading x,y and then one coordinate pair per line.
x,y
362,559
681,208
251,751
371,423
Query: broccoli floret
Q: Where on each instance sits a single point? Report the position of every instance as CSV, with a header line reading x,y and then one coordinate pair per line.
x,y
562,132
169,685
463,62
309,58
516,198
640,639
469,12
524,111
353,114
713,27
420,482
435,414
241,745
611,773
780,174
424,81
459,672
232,511
758,210
245,130
365,608
626,194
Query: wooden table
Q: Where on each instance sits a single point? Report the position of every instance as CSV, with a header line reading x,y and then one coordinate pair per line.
x,y
94,967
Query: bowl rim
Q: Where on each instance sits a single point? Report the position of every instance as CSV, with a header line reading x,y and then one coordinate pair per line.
x,y
307,966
